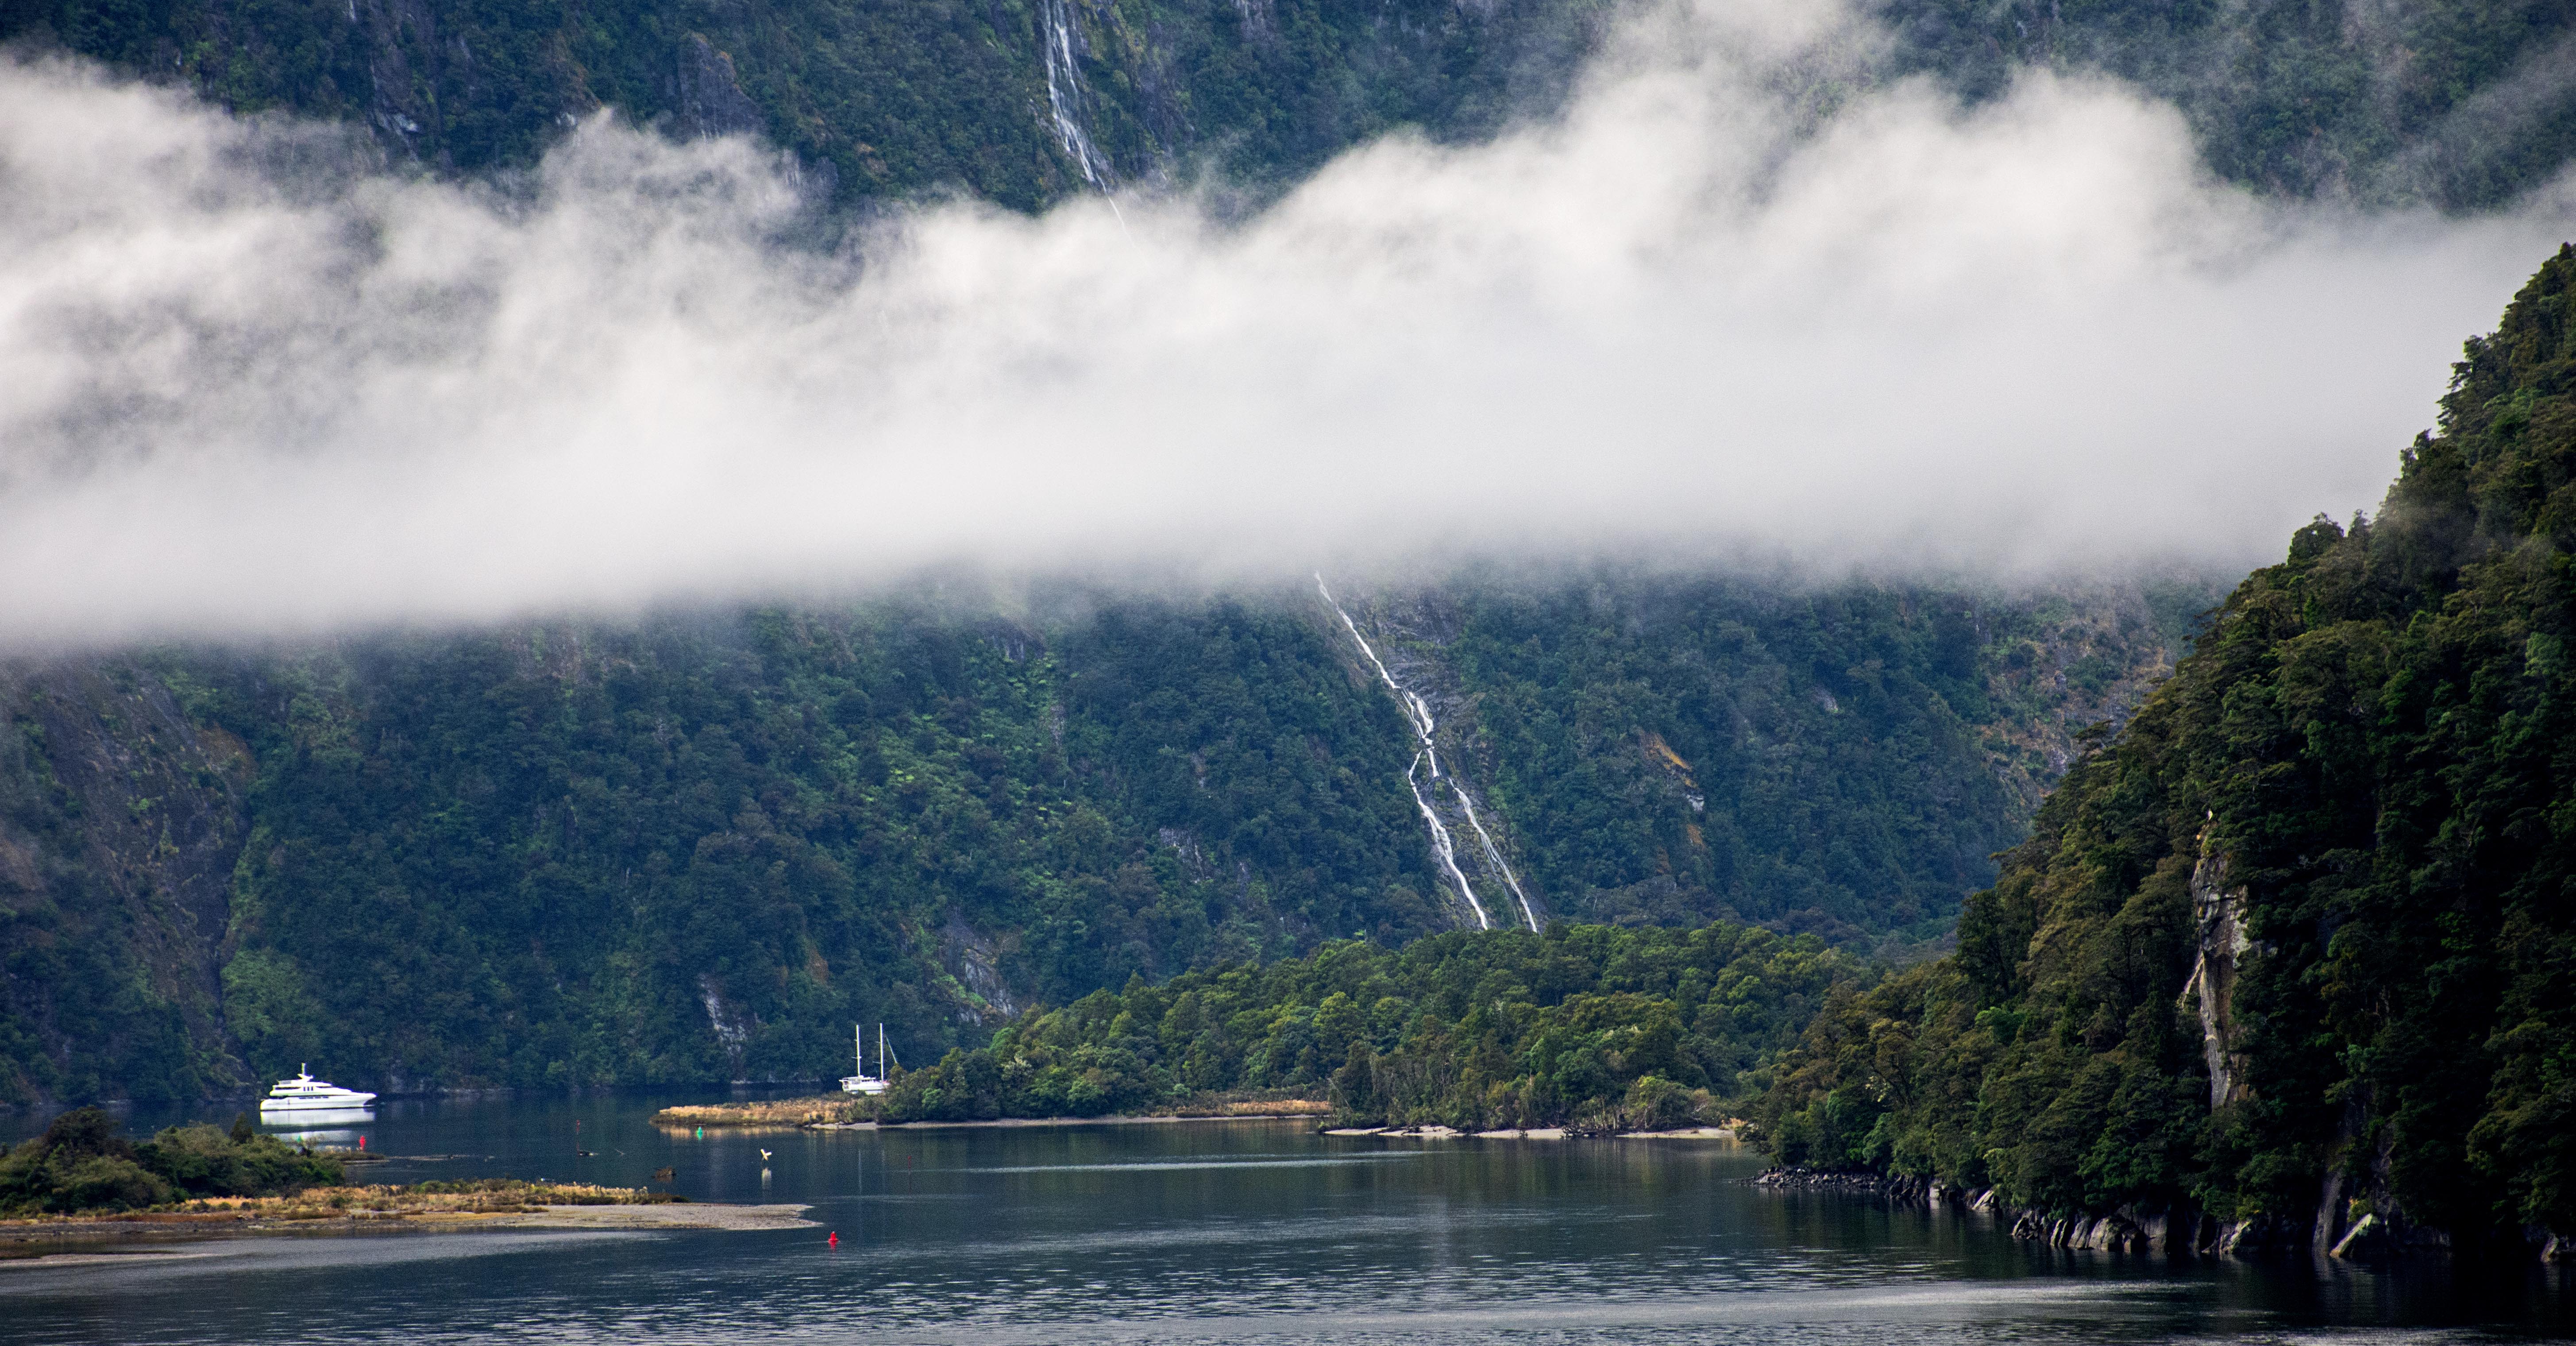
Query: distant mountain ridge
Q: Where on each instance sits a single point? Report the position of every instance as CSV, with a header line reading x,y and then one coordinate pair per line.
x,y
1025,101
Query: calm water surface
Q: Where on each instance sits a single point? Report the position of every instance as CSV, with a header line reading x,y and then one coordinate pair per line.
x,y
1205,1232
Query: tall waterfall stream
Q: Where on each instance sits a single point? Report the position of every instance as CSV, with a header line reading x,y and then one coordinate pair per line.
x,y
1417,712
1065,91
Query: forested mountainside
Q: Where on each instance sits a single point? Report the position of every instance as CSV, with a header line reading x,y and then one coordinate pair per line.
x,y
1023,101
699,847
2297,948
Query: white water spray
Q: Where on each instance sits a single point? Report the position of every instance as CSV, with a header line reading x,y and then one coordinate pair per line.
x,y
1418,713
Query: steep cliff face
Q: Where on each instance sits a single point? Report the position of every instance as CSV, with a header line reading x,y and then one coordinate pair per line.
x,y
2296,947
120,822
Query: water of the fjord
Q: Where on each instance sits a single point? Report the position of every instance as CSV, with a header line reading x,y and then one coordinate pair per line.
x,y
1203,1232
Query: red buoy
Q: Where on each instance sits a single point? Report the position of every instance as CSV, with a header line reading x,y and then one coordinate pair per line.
x,y
835,1239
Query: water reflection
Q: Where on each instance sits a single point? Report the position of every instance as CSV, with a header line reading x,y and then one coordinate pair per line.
x,y
1208,1232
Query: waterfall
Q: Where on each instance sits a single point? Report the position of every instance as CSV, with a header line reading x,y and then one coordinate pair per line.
x,y
1064,93
1417,712
1442,844
1493,853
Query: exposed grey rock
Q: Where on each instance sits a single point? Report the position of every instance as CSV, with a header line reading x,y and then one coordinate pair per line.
x,y
2220,912
706,94
404,62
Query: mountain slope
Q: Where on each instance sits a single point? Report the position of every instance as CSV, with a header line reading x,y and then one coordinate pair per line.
x,y
1678,749
2296,947
699,847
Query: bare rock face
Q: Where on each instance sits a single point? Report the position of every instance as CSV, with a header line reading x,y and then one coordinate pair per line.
x,y
706,94
974,960
2220,911
405,61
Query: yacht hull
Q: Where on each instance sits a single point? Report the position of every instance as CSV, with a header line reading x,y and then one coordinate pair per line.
x,y
344,1104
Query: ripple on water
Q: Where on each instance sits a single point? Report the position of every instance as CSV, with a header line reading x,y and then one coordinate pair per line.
x,y
1218,1233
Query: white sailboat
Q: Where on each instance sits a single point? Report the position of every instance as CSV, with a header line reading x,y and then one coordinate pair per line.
x,y
307,1094
863,1082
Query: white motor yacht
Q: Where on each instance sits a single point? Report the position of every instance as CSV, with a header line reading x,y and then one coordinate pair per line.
x,y
307,1094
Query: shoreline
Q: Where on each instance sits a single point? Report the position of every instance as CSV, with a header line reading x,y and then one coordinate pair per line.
x,y
18,1239
1725,1133
797,1115
1158,1119
831,1113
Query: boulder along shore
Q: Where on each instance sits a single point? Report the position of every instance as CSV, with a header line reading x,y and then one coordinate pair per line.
x,y
2171,1231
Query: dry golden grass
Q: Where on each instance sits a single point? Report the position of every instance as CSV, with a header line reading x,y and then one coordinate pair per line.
x,y
772,1112
487,1196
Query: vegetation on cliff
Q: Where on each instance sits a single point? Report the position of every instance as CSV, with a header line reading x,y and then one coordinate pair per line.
x,y
687,853
1594,1026
1679,749
2300,943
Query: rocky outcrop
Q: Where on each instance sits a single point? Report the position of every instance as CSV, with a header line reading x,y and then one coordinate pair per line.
x,y
706,94
2137,1230
404,60
2220,912
2159,1231
1896,1188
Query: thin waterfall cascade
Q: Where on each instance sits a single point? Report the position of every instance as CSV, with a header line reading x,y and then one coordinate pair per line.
x,y
1065,94
1493,853
1417,712
1442,844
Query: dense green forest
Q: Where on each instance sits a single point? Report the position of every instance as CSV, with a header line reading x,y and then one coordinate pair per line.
x,y
699,847
83,1162
1590,1026
1022,101
2299,945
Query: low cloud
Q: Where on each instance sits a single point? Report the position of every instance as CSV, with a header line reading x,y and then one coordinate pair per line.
x,y
1708,313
